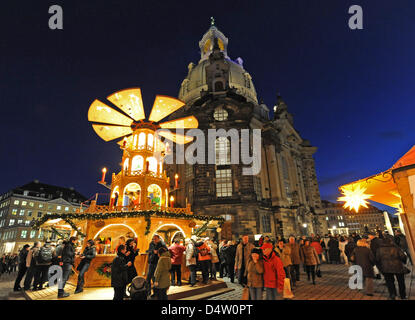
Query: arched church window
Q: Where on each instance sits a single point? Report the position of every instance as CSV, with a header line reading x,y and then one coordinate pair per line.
x,y
223,151
135,141
220,114
219,86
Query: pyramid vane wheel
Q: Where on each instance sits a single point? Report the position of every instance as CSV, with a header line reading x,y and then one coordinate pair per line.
x,y
111,124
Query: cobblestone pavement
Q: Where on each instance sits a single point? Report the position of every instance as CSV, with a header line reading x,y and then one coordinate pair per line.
x,y
333,285
6,287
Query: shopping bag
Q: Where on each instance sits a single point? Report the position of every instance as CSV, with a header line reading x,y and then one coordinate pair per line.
x,y
318,271
287,293
245,293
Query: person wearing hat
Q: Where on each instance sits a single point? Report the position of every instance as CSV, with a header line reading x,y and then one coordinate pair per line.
x,y
255,274
274,274
86,258
22,267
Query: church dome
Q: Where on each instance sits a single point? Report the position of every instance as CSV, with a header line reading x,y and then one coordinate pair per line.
x,y
195,81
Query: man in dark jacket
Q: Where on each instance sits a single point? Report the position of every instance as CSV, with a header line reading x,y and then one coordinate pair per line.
x,y
22,267
153,258
31,266
229,252
119,275
375,243
68,260
86,258
391,261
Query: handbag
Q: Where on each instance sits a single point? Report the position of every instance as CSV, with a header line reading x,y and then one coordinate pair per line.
x,y
406,270
318,272
245,293
287,293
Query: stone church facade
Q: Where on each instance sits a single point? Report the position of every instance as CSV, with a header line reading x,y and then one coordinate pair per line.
x,y
284,197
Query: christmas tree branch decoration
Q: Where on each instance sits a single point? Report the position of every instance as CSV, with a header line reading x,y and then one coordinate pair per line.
x,y
73,226
202,229
148,220
57,232
68,217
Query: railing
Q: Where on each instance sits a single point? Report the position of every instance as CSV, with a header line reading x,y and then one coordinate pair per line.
x,y
93,208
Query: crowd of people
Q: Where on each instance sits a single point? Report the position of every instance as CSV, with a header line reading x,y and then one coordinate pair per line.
x,y
268,265
34,264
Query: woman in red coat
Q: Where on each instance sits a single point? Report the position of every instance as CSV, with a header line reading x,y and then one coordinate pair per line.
x,y
316,245
274,273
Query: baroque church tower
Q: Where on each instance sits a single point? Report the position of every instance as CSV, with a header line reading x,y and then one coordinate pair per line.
x,y
283,198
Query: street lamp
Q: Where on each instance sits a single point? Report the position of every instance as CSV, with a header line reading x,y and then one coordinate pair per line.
x,y
305,225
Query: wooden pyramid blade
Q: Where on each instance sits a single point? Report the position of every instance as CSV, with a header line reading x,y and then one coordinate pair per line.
x,y
129,101
182,123
175,137
108,132
100,112
164,106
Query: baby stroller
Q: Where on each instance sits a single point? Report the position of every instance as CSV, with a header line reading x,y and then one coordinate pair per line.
x,y
138,289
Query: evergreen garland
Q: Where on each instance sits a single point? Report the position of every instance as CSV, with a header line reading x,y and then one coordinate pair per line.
x,y
202,229
148,220
68,217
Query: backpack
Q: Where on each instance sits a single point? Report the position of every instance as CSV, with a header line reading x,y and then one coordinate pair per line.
x,y
137,289
204,252
44,255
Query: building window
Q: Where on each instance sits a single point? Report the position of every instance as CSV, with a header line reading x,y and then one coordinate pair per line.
x,y
58,207
27,222
286,177
66,208
223,151
189,172
11,222
50,206
14,212
24,203
40,205
40,236
21,213
32,234
224,183
39,214
31,204
220,114
266,224
16,202
257,187
20,221
29,213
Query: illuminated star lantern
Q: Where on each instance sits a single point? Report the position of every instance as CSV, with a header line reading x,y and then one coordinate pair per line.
x,y
111,124
354,197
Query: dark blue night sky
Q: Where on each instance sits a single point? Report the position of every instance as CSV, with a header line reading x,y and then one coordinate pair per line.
x,y
351,92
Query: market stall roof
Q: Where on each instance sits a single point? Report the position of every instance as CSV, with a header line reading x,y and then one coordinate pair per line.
x,y
381,186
